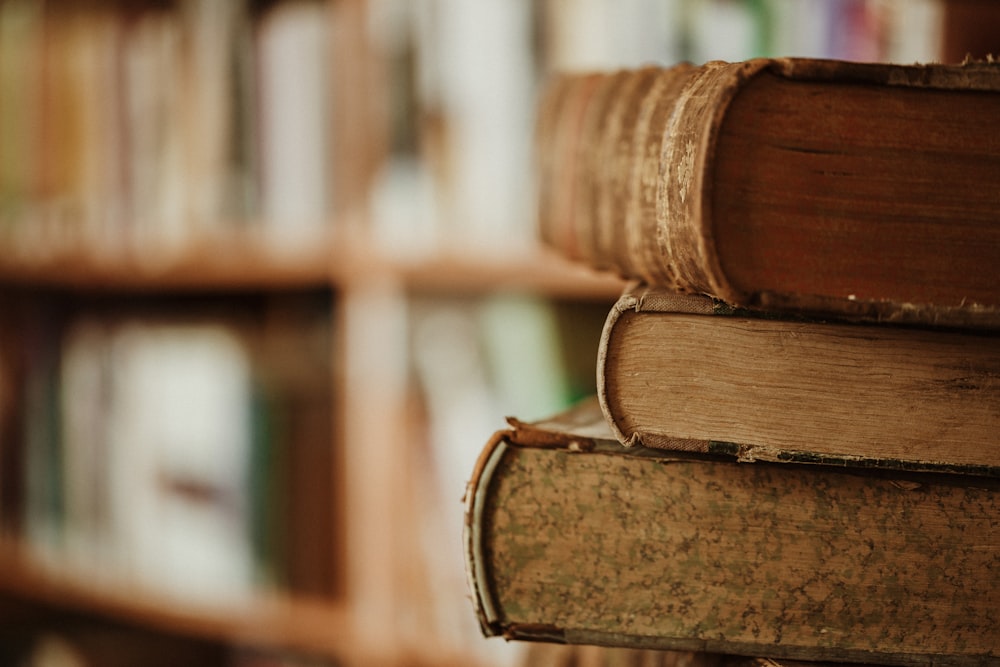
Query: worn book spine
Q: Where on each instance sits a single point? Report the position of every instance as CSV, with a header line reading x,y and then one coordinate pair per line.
x,y
627,178
575,539
558,130
634,250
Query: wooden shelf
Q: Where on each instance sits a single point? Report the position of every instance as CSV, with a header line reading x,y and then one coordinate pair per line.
x,y
238,261
539,271
269,622
250,262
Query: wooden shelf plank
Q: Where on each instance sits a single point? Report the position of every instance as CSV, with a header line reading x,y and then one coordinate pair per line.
x,y
266,621
541,272
247,262
236,262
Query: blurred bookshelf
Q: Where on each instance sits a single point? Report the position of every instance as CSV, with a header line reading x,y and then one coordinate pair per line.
x,y
268,275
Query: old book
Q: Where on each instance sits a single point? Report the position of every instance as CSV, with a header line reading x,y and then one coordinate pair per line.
x,y
572,538
689,372
818,185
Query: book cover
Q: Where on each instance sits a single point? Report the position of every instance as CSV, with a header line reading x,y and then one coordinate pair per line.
x,y
787,184
689,372
572,538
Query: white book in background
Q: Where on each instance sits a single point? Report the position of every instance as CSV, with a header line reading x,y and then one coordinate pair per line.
x,y
914,30
155,176
723,30
295,91
475,85
586,35
453,361
404,201
452,370
405,222
181,437
479,359
799,29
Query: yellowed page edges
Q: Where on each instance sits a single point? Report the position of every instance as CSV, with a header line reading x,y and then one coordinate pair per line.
x,y
628,301
475,499
638,298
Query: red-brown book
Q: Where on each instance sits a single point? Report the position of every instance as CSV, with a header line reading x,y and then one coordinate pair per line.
x,y
866,190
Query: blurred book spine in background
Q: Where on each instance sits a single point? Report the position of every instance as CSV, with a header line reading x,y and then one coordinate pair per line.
x,y
160,126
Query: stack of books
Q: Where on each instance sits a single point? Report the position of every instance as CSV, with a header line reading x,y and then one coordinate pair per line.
x,y
793,453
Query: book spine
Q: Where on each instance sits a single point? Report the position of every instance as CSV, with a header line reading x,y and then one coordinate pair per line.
x,y
684,230
476,491
615,168
625,163
590,164
556,140
627,302
628,162
602,546
638,298
640,255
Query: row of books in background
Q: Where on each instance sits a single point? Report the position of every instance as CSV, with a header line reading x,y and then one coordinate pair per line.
x,y
187,454
464,77
163,123
598,35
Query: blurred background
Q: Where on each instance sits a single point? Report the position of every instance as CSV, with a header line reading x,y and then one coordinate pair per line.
x,y
269,281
